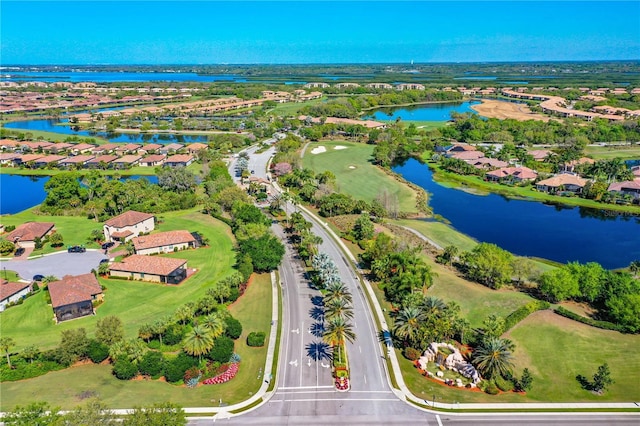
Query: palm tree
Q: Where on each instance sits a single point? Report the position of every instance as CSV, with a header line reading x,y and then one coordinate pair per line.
x,y
432,305
6,343
145,332
215,323
198,341
183,313
338,331
494,357
337,290
407,324
338,308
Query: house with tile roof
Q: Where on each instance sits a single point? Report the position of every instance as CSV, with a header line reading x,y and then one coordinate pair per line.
x,y
150,268
73,296
562,182
163,242
25,235
153,160
512,174
179,160
629,187
12,292
128,225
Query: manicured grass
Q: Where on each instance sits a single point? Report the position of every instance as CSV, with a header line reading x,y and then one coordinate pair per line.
x,y
10,276
453,179
292,108
356,175
134,302
606,152
142,171
74,229
253,310
557,349
441,233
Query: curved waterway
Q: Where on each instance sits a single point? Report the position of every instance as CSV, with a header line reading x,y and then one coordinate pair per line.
x,y
426,112
53,125
529,228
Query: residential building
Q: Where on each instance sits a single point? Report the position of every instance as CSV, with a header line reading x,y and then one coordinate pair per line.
x,y
150,268
512,174
179,160
25,235
629,187
562,182
12,292
163,242
73,296
128,225
409,86
153,160
126,161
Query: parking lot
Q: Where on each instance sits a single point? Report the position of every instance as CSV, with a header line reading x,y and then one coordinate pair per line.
x,y
57,264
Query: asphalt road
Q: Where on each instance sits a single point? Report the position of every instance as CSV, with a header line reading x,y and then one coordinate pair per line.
x,y
58,264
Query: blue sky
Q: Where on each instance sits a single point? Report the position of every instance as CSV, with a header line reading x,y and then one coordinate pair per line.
x,y
242,32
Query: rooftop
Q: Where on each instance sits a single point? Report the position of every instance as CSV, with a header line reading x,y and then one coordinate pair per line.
x,y
153,265
73,289
162,239
129,218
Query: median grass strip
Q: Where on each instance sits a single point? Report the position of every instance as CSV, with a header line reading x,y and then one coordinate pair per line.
x,y
355,175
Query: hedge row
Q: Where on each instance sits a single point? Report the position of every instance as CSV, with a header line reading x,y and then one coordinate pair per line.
x,y
594,323
524,311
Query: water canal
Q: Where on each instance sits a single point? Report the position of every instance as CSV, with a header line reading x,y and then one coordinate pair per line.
x,y
528,228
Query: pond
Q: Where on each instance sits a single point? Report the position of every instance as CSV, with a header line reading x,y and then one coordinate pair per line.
x,y
54,126
528,228
425,112
23,192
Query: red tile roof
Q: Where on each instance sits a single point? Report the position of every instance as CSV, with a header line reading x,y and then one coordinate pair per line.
x,y
129,218
153,265
73,289
162,239
563,179
30,230
153,158
8,289
179,158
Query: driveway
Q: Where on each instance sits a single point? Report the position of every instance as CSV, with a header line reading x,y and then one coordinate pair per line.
x,y
58,264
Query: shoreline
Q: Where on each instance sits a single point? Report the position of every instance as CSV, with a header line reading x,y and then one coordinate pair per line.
x,y
503,110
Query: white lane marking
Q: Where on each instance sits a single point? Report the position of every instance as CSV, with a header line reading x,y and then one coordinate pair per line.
x,y
360,347
304,387
438,419
365,379
343,399
294,362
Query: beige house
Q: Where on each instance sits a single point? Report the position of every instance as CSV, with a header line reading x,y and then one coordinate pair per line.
x,y
163,242
73,296
150,268
562,182
25,235
128,225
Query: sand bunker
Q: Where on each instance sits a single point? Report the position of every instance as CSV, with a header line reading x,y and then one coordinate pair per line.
x,y
501,109
352,167
318,150
339,147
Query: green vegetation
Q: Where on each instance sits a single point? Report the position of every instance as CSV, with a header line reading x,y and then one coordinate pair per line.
x,y
613,151
355,175
134,303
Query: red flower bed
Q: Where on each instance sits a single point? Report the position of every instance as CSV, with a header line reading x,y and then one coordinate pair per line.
x,y
342,383
224,377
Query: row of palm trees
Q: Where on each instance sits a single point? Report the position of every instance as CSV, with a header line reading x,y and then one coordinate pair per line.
x,y
338,312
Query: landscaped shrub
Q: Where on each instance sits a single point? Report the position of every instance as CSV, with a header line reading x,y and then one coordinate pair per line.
x,y
152,364
97,351
491,388
411,354
222,349
175,368
503,384
594,323
524,311
173,335
124,369
192,376
256,338
234,293
234,328
26,370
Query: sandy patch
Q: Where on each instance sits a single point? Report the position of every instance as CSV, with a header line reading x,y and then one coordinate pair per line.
x,y
352,167
339,147
318,150
501,109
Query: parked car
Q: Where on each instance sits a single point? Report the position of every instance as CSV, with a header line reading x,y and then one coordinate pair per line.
x,y
76,249
19,251
38,277
104,261
108,245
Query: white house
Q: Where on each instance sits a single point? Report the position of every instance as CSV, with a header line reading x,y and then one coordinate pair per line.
x,y
12,292
128,225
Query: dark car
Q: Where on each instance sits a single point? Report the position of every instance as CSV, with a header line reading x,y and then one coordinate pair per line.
x,y
108,245
38,277
19,251
76,249
104,261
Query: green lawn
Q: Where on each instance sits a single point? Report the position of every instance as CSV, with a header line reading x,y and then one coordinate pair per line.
x,y
356,175
291,108
253,310
557,349
605,152
74,229
441,233
134,171
135,302
53,136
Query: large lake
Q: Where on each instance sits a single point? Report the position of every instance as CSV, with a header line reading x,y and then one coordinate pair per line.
x,y
110,77
427,112
528,228
53,125
19,193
